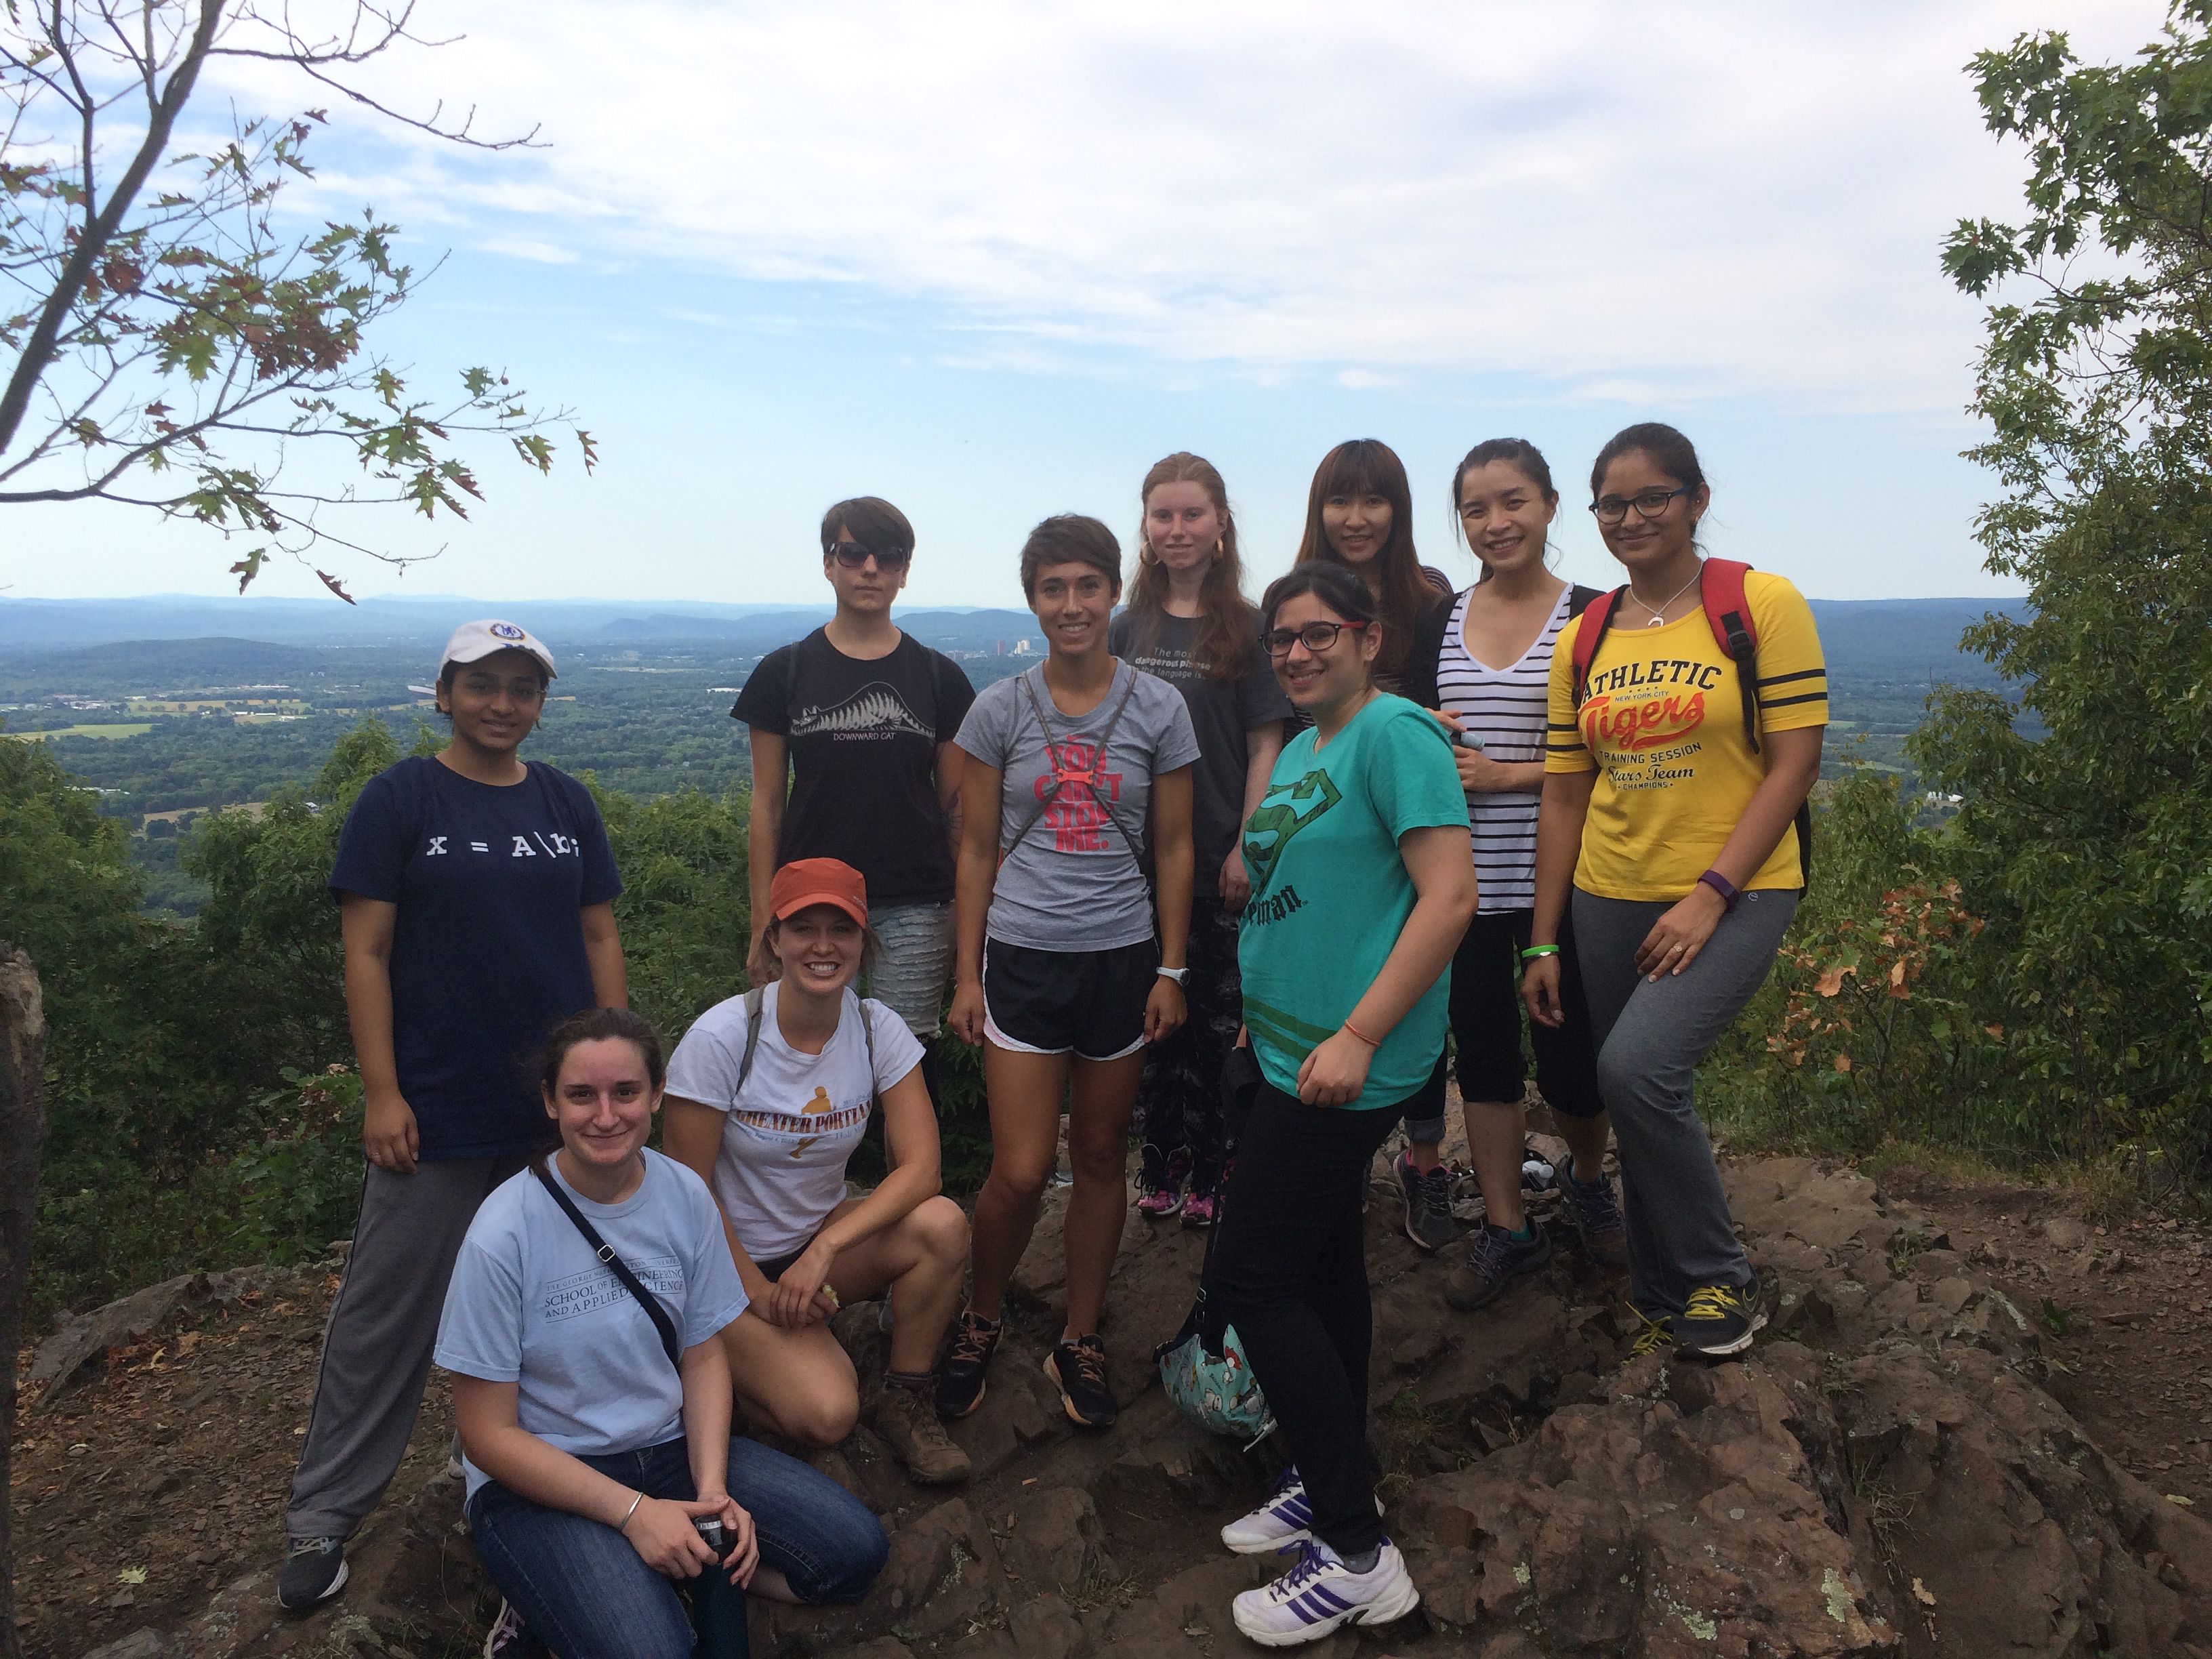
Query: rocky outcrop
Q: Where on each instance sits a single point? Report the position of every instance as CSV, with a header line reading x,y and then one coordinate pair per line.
x,y
1884,1476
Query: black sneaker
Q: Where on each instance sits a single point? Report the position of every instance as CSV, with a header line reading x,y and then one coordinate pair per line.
x,y
1496,1261
1428,1221
960,1378
314,1570
1719,1320
1077,1368
1594,1210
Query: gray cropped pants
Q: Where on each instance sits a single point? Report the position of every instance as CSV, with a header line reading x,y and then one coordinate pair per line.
x,y
1650,1035
376,1348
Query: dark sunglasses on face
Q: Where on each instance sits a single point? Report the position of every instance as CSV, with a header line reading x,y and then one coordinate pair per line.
x,y
1316,637
852,556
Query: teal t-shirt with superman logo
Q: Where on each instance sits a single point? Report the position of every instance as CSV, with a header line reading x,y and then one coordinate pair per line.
x,y
1330,892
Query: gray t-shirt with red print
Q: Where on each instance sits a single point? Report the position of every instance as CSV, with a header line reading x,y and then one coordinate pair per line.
x,y
1073,882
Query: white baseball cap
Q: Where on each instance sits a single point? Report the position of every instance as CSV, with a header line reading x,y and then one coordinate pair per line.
x,y
473,642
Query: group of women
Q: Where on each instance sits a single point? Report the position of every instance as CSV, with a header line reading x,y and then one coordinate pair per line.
x,y
1351,830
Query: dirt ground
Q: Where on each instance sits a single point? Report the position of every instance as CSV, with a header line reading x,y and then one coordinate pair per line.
x,y
137,1496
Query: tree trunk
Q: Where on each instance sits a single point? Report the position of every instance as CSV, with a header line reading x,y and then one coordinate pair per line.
x,y
22,1130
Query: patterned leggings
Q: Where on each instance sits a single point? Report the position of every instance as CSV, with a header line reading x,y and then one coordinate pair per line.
x,y
1179,1105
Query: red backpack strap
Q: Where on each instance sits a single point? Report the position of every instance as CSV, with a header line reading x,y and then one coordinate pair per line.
x,y
1721,589
1597,616
1720,586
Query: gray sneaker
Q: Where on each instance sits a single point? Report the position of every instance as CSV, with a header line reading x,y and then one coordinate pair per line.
x,y
1594,1211
1428,1221
314,1570
1496,1261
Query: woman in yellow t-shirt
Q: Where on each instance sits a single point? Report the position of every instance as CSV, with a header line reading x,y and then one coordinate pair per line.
x,y
1673,823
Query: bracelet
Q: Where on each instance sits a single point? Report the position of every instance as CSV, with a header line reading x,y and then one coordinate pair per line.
x,y
1535,950
1729,892
631,1511
1361,1035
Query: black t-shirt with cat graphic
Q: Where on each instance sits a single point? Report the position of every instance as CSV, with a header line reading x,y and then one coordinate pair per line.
x,y
863,738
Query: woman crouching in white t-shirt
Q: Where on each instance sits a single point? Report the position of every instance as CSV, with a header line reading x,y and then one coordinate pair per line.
x,y
598,1432
768,1106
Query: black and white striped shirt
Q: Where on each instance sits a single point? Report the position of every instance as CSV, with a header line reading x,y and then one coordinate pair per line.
x,y
1504,707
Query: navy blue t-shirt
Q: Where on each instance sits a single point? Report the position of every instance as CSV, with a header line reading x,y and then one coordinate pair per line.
x,y
488,952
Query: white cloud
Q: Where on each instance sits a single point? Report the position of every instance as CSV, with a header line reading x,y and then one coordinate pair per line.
x,y
1727,199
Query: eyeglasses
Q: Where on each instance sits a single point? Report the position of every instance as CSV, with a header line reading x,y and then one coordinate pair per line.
x,y
1649,504
1316,637
852,556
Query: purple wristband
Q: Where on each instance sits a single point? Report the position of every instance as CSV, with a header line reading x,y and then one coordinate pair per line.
x,y
1728,890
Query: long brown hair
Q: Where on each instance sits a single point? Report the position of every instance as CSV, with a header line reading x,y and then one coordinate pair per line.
x,y
1368,467
1222,650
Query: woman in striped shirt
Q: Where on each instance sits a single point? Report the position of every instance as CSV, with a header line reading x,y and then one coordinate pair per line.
x,y
1483,665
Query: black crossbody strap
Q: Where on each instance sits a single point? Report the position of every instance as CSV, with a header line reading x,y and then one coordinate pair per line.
x,y
1045,728
605,1252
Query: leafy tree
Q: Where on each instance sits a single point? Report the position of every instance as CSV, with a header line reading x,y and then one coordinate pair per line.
x,y
179,347
2089,846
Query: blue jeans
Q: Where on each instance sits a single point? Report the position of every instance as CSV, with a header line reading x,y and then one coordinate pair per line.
x,y
586,1593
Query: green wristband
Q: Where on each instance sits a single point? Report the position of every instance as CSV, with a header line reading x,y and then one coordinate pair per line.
x,y
1535,950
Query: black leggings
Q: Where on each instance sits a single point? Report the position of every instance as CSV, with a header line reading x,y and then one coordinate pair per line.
x,y
1288,1270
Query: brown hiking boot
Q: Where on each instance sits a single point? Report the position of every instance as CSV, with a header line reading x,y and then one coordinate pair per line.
x,y
907,1420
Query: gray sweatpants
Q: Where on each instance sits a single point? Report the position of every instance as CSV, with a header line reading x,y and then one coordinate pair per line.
x,y
376,1348
1650,1036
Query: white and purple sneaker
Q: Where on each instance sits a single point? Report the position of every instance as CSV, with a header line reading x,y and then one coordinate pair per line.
x,y
1320,1593
1286,1518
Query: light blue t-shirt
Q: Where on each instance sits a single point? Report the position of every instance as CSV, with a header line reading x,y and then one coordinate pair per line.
x,y
530,1303
1330,893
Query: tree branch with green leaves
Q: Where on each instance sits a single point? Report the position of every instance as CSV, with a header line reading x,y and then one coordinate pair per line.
x,y
182,344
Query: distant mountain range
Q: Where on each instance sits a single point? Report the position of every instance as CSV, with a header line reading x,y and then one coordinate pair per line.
x,y
1886,641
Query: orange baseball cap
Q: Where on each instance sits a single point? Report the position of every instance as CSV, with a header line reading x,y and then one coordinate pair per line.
x,y
803,882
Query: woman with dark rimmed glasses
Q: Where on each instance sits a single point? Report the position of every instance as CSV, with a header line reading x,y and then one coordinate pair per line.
x,y
1671,784
1363,882
860,717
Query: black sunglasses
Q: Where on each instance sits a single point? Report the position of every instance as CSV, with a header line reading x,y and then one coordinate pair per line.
x,y
852,556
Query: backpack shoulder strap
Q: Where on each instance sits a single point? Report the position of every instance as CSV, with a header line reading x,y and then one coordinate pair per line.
x,y
1720,588
1597,617
1728,612
662,1324
754,1001
1580,599
1105,738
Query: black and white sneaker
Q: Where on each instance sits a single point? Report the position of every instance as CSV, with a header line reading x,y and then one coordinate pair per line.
x,y
1321,1592
314,1570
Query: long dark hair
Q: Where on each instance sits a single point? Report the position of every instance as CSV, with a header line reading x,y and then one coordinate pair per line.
x,y
1222,650
1517,452
1336,587
1368,467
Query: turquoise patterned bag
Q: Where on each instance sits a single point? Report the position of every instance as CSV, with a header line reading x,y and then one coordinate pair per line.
x,y
1217,1391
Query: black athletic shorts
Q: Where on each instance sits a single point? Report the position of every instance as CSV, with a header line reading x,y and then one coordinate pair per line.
x,y
1053,1002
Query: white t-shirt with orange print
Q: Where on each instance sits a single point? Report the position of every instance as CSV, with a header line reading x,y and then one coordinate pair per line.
x,y
1661,723
789,1131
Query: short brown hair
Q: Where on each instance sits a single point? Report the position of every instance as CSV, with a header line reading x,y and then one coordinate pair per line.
x,y
1070,538
870,520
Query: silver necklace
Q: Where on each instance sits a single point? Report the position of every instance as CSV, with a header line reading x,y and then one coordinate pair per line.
x,y
1659,612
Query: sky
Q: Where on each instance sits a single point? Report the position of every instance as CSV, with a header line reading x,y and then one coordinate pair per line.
x,y
992,260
